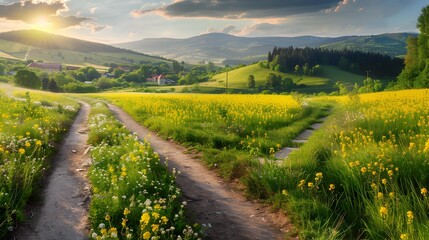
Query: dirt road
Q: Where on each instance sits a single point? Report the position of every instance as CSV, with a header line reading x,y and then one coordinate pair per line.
x,y
63,214
224,213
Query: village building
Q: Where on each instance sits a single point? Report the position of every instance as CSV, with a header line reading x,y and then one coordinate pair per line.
x,y
159,80
49,67
72,68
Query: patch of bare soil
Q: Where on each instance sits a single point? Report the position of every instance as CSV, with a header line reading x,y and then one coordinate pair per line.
x,y
224,212
63,214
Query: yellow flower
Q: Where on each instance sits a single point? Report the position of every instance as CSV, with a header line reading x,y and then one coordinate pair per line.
x,y
301,183
424,191
39,143
107,217
319,175
373,186
124,222
155,227
426,146
145,218
157,207
411,145
363,169
146,235
380,196
123,174
126,211
390,173
284,192
155,215
410,217
331,187
21,151
164,219
404,236
391,194
383,211
384,181
27,144
310,185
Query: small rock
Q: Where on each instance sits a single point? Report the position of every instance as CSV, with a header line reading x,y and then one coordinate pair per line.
x,y
80,170
73,151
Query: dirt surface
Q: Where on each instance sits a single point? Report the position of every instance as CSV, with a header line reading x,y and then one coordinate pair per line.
x,y
63,214
225,213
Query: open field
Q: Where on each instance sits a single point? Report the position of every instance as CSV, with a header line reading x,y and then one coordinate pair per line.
x,y
363,174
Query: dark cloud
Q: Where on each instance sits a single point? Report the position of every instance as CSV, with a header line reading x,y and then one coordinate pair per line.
x,y
239,9
30,12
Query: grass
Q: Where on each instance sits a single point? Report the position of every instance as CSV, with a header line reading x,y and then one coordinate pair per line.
x,y
238,78
24,52
133,194
363,175
28,132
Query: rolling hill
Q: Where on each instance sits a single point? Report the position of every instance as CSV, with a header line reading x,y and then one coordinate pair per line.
x,y
324,83
38,45
229,49
392,44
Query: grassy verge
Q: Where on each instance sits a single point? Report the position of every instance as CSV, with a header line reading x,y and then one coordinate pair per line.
x,y
134,196
27,135
364,175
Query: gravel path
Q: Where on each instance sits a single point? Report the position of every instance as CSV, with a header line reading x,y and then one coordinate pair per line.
x,y
225,213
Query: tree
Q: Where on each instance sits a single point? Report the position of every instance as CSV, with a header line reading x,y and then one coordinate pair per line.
x,y
287,83
29,79
273,81
423,21
177,67
52,86
251,83
297,69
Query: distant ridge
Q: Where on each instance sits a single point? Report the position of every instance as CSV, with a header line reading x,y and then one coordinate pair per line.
x,y
220,47
47,47
51,41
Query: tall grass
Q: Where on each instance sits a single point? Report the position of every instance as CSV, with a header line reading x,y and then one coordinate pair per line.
x,y
372,155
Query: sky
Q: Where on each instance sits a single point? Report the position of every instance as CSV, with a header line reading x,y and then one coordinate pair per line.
x,y
114,21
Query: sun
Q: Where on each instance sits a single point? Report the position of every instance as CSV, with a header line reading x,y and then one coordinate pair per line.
x,y
41,23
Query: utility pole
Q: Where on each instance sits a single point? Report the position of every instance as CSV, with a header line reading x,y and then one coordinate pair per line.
x,y
226,88
367,74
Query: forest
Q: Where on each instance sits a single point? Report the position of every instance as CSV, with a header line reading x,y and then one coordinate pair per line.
x,y
292,59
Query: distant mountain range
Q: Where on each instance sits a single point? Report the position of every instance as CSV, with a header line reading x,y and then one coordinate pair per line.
x,y
219,47
38,45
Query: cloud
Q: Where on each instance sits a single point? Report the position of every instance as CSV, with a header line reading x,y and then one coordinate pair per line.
x,y
238,9
32,12
92,10
229,29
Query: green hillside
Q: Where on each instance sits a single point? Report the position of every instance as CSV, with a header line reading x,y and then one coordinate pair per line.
x,y
36,45
392,44
238,78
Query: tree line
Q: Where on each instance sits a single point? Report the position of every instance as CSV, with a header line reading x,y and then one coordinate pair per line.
x,y
289,59
416,71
